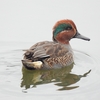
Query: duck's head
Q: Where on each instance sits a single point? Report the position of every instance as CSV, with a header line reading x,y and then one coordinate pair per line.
x,y
64,30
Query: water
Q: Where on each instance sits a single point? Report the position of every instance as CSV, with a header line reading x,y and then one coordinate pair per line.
x,y
76,82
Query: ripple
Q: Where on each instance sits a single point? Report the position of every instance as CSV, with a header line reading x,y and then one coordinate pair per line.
x,y
86,87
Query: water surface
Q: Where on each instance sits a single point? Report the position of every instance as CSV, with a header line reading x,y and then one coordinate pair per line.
x,y
75,82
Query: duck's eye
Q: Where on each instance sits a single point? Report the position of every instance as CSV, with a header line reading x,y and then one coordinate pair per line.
x,y
68,28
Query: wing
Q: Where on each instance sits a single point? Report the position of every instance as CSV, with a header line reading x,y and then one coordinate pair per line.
x,y
44,50
36,52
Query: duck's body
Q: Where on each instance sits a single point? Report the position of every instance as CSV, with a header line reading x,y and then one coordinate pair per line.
x,y
54,54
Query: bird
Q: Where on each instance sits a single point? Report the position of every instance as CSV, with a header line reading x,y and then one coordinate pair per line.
x,y
53,54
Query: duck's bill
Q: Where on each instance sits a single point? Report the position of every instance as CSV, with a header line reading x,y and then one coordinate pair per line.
x,y
79,36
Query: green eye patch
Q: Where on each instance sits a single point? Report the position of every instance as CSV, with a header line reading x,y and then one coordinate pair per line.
x,y
61,28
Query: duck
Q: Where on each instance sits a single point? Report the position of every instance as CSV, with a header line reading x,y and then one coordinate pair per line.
x,y
53,54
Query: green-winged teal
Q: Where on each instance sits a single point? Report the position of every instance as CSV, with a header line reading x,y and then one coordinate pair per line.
x,y
56,53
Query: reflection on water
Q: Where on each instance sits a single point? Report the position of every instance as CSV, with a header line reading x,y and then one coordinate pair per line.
x,y
77,80
60,77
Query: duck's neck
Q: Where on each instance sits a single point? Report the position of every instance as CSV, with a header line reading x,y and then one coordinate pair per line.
x,y
67,46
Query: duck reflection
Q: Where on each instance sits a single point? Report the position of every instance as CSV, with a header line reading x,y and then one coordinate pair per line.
x,y
60,77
